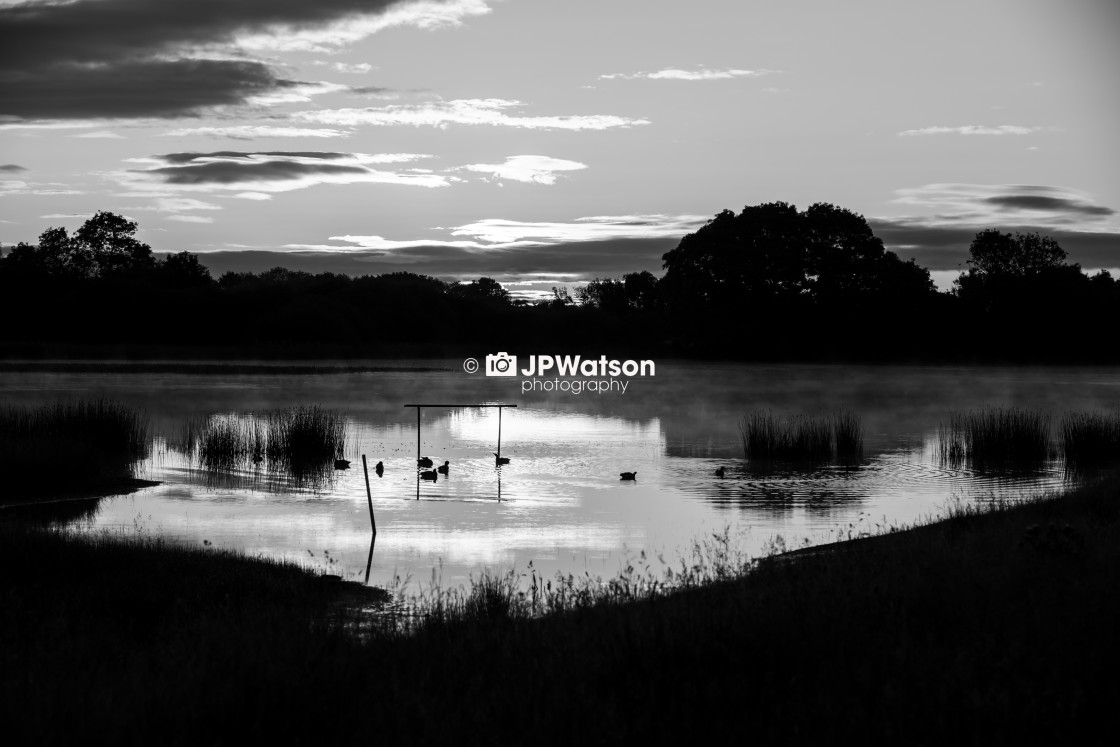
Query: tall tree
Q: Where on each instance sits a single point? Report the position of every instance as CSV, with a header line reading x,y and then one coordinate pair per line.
x,y
111,243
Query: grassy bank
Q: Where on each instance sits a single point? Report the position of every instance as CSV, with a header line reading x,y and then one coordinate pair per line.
x,y
985,628
84,447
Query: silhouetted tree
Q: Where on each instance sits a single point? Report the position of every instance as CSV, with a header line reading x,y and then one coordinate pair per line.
x,y
636,292
183,270
483,289
993,253
109,241
771,253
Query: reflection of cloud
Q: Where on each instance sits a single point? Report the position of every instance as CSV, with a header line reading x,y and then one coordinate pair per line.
x,y
529,169
973,130
12,168
274,171
138,58
698,74
463,112
252,132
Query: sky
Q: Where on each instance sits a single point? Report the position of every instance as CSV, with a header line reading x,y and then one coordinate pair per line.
x,y
544,143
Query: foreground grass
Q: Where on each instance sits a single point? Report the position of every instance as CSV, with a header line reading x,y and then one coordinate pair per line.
x,y
986,628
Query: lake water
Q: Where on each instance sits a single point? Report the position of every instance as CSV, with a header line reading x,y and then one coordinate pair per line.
x,y
559,503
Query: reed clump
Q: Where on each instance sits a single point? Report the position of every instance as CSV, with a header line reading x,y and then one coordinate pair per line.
x,y
1091,439
996,436
299,438
768,438
65,446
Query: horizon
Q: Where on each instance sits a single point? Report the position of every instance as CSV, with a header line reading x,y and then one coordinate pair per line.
x,y
463,138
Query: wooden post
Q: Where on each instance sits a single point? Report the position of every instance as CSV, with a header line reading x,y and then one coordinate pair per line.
x,y
369,499
499,430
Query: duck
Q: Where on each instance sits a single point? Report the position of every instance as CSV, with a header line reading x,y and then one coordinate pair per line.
x,y
424,462
719,472
429,474
501,459
379,469
444,468
342,464
628,475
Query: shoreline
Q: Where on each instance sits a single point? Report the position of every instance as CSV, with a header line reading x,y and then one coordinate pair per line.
x,y
996,623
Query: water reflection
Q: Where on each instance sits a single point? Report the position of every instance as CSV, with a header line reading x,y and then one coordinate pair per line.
x,y
559,501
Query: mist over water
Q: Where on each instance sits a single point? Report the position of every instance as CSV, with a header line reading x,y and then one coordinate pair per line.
x,y
559,502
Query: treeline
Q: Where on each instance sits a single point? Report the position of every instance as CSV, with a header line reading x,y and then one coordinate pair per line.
x,y
769,283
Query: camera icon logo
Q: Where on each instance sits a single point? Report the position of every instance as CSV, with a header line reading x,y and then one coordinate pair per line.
x,y
501,364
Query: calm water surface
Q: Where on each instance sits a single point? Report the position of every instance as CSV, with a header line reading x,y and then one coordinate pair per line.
x,y
560,503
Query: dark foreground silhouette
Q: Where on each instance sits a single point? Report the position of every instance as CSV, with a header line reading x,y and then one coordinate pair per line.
x,y
988,628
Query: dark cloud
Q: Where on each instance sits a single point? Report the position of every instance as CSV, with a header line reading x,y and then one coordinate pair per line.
x,y
240,173
126,58
1051,204
12,168
124,89
239,168
946,247
575,260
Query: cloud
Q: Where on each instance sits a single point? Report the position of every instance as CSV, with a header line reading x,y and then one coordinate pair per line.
x,y
973,130
138,58
498,235
253,132
529,169
101,135
1045,204
272,171
18,187
191,218
990,205
698,74
565,262
462,112
12,168
358,68
948,216
945,247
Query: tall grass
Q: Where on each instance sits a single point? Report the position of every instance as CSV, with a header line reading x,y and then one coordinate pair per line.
x,y
69,445
296,438
767,438
1091,439
995,437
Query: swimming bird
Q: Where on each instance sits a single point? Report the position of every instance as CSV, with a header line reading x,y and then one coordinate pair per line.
x,y
342,464
379,469
444,468
719,472
628,475
424,462
501,459
429,474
